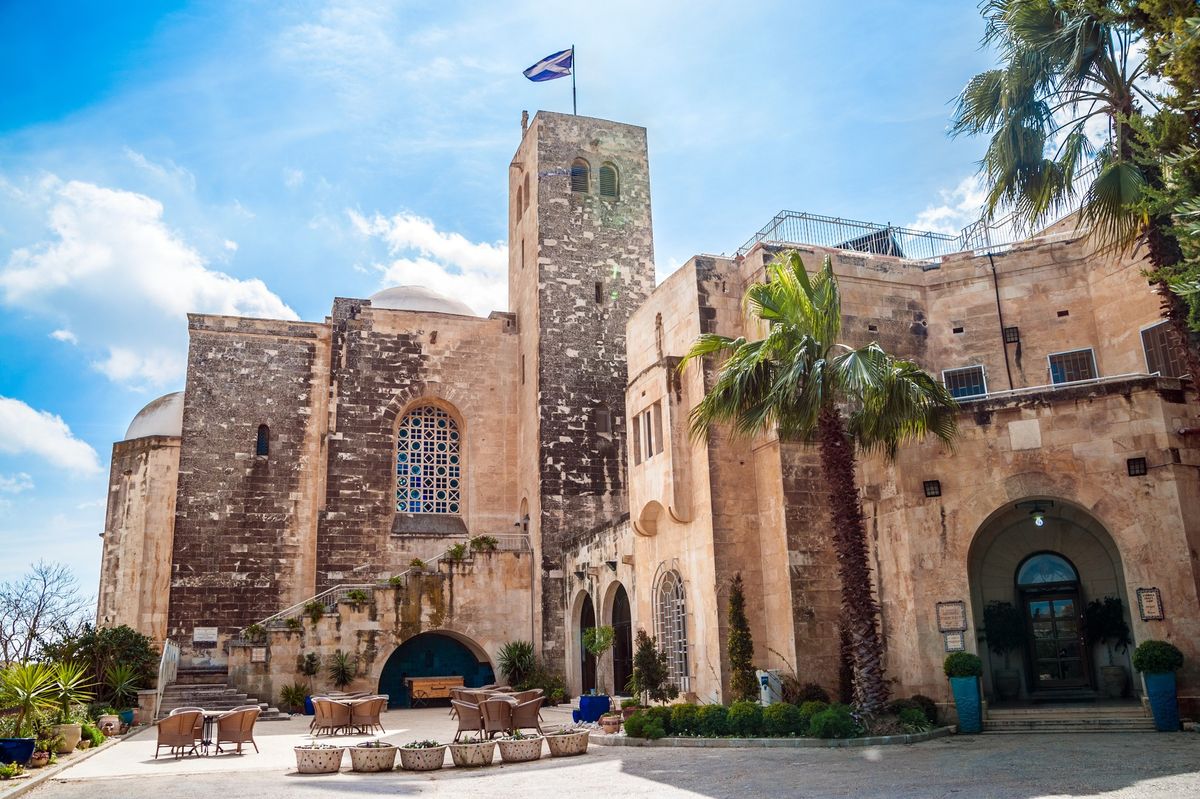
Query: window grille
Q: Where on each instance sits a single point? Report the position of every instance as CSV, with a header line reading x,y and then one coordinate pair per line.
x,y
608,181
1068,367
579,176
428,471
1012,335
262,446
968,381
1161,357
670,627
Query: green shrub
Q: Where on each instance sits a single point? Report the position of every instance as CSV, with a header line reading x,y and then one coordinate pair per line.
x,y
927,705
811,692
745,719
1157,657
517,661
913,719
713,721
782,719
93,734
291,697
630,702
685,719
661,714
644,725
357,597
963,664
457,553
314,609
897,705
484,543
10,770
807,711
834,721
739,644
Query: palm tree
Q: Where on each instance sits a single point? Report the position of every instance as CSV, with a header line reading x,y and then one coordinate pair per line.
x,y
1065,64
800,381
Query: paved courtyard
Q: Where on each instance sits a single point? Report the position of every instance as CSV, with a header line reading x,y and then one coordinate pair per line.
x,y
1017,766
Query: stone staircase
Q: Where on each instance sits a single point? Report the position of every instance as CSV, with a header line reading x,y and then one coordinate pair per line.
x,y
1125,717
208,687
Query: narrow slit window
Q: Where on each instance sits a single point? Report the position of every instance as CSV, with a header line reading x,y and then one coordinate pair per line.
x,y
580,177
599,293
262,446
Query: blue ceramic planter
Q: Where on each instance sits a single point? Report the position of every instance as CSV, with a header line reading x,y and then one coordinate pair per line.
x,y
966,700
308,707
591,708
1160,690
16,750
126,716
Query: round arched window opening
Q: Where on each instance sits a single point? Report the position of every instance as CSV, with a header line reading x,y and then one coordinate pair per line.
x,y
1045,568
670,626
428,465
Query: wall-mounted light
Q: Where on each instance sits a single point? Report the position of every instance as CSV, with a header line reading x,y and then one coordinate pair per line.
x,y
933,488
1038,515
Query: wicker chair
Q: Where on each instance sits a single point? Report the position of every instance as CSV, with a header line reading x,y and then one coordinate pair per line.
x,y
497,716
470,719
525,696
525,714
364,715
329,716
180,733
199,722
237,727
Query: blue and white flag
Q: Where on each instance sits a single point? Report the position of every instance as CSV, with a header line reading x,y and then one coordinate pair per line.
x,y
552,66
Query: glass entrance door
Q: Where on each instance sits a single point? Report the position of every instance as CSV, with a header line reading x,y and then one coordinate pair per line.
x,y
1057,648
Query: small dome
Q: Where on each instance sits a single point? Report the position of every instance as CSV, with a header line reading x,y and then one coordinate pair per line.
x,y
418,298
162,417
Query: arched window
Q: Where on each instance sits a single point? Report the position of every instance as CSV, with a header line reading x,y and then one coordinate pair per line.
x,y
580,176
670,626
528,196
608,181
1046,567
428,468
262,446
518,208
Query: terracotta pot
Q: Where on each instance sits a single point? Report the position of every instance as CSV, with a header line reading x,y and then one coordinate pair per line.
x,y
318,761
521,750
372,758
610,723
473,754
429,759
71,733
39,760
568,744
626,712
109,724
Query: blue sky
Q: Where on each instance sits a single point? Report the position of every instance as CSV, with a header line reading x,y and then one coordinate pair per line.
x,y
262,158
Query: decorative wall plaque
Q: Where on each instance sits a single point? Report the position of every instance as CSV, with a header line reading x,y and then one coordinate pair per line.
x,y
955,642
258,654
204,635
1150,605
952,616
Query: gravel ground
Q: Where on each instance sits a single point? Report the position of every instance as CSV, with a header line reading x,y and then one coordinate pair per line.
x,y
1017,766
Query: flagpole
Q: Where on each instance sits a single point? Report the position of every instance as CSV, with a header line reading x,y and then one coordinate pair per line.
x,y
574,102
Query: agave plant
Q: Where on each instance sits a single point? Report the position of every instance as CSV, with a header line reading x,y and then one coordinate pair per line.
x,y
72,686
517,660
341,668
29,688
122,683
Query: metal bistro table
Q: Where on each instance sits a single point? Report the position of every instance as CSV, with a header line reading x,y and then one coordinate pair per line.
x,y
208,731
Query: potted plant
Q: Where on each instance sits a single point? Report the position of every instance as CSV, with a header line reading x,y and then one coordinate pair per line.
x,y
373,756
26,687
108,721
310,666
315,610
356,598
255,633
291,697
520,748
651,679
472,751
568,741
1004,630
122,684
341,668
294,625
1104,621
47,742
417,565
963,669
315,758
457,553
517,661
1158,661
484,543
629,707
422,756
71,688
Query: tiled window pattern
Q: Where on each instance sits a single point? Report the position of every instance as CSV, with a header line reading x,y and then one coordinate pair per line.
x,y
428,471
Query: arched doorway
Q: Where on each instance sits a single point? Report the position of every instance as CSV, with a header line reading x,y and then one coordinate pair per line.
x,y
622,624
431,655
1048,558
587,661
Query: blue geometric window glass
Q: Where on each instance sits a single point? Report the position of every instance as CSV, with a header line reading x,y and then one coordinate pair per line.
x,y
1046,568
428,470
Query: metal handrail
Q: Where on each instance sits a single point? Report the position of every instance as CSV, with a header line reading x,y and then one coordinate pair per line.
x,y
168,669
1014,392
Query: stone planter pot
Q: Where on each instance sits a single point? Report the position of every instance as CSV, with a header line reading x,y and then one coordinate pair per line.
x,y
1164,704
372,758
468,755
318,761
1113,680
521,750
39,760
1007,683
568,744
429,759
967,702
71,733
109,724
611,724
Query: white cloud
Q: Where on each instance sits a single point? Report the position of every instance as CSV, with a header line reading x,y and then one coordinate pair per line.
x,y
168,172
113,274
65,336
448,263
27,431
959,207
293,178
15,484
231,245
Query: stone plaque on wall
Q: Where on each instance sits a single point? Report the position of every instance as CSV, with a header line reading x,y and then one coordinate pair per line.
x,y
204,635
1150,604
258,654
955,642
952,616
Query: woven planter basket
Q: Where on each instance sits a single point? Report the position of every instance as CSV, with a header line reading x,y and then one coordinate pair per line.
x,y
429,759
318,761
521,750
569,745
372,758
476,754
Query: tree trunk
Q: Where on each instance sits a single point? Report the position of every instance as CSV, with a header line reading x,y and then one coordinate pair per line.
x,y
1163,251
860,611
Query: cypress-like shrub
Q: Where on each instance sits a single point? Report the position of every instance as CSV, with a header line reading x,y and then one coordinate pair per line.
x,y
742,683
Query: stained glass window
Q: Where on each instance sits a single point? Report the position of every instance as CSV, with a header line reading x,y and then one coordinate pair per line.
x,y
1046,568
670,627
428,468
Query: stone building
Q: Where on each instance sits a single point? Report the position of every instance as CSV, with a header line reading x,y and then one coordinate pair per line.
x,y
416,485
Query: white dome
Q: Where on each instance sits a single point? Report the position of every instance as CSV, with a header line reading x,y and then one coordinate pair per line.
x,y
162,417
418,298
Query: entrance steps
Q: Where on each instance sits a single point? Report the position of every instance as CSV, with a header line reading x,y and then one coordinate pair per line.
x,y
208,687
1125,717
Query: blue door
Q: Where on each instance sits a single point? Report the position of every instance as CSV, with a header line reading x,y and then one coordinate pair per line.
x,y
431,655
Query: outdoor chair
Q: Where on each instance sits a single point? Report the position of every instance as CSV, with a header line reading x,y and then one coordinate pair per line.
x,y
503,689
330,716
525,696
497,716
487,687
199,722
180,733
364,715
470,719
237,727
525,715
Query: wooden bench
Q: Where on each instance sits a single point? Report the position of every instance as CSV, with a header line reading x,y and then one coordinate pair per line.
x,y
422,689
